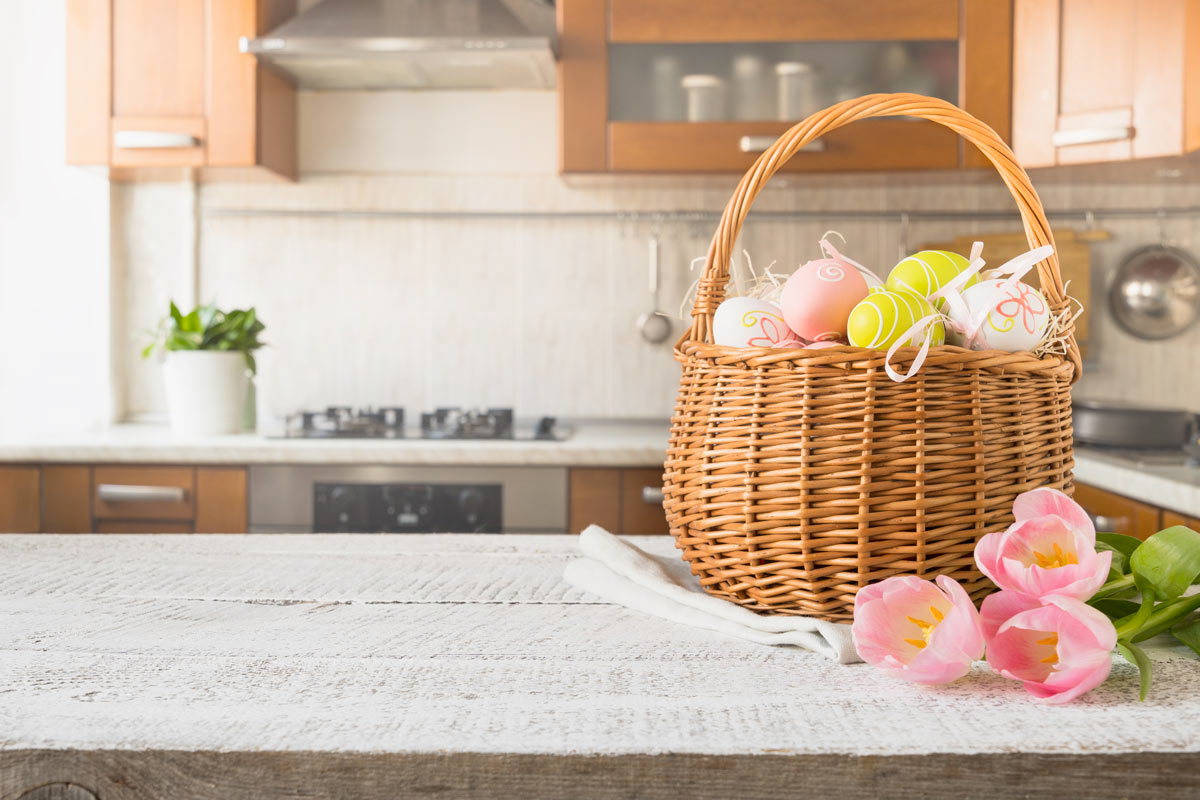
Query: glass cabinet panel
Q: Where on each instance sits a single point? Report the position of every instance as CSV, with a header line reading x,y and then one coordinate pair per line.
x,y
769,81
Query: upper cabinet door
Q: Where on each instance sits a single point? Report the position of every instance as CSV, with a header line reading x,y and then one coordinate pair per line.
x,y
161,83
1105,80
688,86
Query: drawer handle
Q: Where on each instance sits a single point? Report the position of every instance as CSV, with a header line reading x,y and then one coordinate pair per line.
x,y
652,495
121,493
1108,524
153,140
756,144
1091,136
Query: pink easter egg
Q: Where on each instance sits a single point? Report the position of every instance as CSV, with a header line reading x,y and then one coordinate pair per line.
x,y
818,298
824,344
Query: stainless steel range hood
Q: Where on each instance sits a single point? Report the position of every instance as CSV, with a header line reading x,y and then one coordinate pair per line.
x,y
415,44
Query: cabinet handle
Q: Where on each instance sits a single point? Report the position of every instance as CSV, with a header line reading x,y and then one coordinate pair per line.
x,y
652,495
1108,524
121,493
153,140
1091,136
756,144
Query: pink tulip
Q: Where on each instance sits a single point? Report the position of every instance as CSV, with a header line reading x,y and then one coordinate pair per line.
x,y
1050,549
1059,649
917,631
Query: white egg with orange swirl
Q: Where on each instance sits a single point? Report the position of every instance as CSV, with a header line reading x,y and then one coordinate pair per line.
x,y
1005,315
751,322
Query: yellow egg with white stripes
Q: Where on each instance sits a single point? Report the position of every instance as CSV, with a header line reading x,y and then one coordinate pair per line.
x,y
884,316
925,272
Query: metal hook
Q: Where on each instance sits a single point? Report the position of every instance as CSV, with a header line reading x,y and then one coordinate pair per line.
x,y
1162,227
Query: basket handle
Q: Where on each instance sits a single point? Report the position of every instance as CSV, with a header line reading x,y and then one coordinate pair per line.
x,y
711,289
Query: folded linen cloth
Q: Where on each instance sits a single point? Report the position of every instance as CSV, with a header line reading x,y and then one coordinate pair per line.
x,y
664,587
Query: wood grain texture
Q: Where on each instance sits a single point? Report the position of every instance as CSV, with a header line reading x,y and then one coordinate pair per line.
x,y
142,526
1172,518
158,58
401,648
985,73
1131,517
582,86
638,516
780,20
714,147
594,498
221,500
88,80
182,477
231,85
1035,77
158,774
20,488
66,498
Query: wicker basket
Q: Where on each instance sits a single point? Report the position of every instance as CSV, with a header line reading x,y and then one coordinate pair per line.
x,y
795,477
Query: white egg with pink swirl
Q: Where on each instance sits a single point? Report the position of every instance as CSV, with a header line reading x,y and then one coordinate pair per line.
x,y
818,297
751,322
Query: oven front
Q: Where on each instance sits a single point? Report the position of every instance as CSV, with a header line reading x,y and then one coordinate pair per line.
x,y
407,499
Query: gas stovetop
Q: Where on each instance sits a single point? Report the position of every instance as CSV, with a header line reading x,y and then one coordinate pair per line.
x,y
386,422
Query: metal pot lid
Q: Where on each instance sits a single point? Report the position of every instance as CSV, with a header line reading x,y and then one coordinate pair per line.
x,y
1155,293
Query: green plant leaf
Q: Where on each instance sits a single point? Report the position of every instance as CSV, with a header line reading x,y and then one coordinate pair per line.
x,y
1168,562
1136,656
1167,615
1119,542
208,328
1189,634
1116,609
1121,546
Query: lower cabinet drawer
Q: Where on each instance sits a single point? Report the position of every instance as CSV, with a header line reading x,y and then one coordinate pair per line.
x,y
1117,514
626,501
156,493
142,526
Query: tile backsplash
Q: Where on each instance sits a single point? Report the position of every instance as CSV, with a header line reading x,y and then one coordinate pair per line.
x,y
405,290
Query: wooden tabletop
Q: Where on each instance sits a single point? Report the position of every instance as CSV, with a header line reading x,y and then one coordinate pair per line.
x,y
462,666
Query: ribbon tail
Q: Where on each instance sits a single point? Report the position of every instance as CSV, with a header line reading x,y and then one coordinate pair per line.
x,y
832,252
924,323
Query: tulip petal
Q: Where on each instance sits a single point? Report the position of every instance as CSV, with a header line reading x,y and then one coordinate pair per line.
x,y
1002,606
1051,502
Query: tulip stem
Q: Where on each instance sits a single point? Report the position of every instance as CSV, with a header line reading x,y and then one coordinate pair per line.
x,y
1166,615
1114,586
1133,624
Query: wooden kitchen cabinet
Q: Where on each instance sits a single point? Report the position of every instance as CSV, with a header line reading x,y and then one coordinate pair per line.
x,y
1172,518
20,487
1105,80
613,498
622,107
155,86
104,498
1114,513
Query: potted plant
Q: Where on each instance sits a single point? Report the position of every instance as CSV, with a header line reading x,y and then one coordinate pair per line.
x,y
209,361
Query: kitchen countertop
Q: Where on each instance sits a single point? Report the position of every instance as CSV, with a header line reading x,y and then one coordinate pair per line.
x,y
595,443
463,666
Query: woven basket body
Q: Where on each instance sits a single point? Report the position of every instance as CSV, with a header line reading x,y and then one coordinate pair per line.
x,y
795,477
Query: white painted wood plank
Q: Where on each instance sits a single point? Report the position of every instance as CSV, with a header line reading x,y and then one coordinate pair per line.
x,y
245,667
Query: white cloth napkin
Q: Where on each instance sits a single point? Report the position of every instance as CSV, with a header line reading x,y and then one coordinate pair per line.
x,y
664,587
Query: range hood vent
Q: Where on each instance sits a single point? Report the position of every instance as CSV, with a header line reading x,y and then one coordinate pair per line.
x,y
415,44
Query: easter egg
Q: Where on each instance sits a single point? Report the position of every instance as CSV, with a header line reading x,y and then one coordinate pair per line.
x,y
818,297
823,344
1016,315
751,322
883,317
927,271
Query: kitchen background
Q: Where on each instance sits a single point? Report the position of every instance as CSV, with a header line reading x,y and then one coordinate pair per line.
x,y
386,277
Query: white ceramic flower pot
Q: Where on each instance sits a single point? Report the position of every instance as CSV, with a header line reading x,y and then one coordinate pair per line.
x,y
206,392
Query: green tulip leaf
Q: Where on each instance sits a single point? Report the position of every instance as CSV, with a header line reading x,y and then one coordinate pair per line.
x,y
1116,609
1189,634
1119,542
1168,562
1136,656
